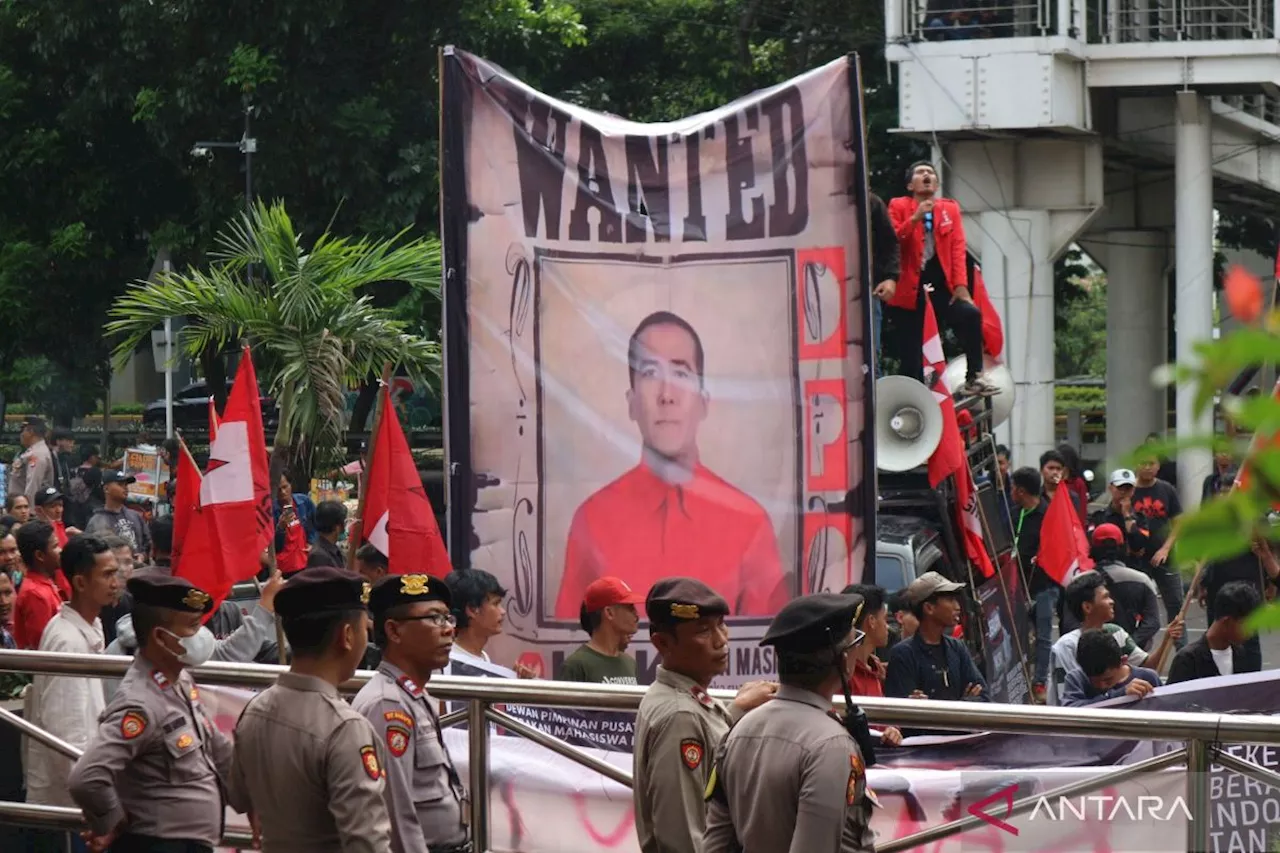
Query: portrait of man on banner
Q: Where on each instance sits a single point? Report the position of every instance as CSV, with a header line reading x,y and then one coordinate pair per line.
x,y
695,469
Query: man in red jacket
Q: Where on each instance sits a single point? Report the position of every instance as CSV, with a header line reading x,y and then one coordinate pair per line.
x,y
934,254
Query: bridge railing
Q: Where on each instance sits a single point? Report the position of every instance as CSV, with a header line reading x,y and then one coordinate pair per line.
x,y
1201,733
1091,21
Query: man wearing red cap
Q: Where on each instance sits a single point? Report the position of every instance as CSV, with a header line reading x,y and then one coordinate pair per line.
x,y
609,617
1136,597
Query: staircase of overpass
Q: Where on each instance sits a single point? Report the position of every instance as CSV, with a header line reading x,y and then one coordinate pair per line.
x,y
1116,124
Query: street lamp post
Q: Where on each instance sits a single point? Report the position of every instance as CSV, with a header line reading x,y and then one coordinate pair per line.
x,y
247,145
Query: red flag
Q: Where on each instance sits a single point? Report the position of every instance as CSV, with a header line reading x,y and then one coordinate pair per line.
x,y
992,330
186,498
949,457
235,495
1064,548
398,519
213,421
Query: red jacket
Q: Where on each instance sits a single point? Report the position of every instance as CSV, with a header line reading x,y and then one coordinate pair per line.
x,y
949,245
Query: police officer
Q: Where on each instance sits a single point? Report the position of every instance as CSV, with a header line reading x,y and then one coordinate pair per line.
x,y
310,766
151,780
792,776
679,723
424,794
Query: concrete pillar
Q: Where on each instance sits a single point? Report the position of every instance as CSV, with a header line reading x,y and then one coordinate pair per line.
x,y
1193,306
1136,314
1017,266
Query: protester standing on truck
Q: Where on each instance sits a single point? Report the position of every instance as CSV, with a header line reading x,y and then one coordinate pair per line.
x,y
934,260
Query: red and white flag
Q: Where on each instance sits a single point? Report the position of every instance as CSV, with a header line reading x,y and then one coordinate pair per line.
x,y
398,518
1064,547
949,457
235,495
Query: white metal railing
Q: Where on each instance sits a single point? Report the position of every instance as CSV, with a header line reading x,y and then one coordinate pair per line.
x,y
1103,21
1202,734
1264,107
1127,21
949,20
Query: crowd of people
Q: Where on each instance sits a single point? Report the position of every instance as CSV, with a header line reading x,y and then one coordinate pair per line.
x,y
1130,535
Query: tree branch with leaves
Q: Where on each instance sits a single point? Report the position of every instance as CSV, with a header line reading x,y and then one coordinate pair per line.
x,y
308,313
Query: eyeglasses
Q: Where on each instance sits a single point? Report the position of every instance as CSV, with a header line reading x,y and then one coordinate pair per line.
x,y
439,620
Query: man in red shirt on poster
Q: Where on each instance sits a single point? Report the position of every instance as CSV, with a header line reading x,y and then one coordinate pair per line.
x,y
934,266
669,515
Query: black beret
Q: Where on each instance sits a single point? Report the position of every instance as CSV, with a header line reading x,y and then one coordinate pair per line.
x,y
322,589
683,599
170,593
813,622
394,590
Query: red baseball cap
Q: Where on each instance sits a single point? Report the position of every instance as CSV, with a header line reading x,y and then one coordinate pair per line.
x,y
606,591
1108,533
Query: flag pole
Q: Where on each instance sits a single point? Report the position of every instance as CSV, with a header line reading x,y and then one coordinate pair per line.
x,y
384,399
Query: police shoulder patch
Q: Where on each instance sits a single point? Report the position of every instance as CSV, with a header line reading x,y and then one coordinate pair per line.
x,y
132,724
397,740
691,753
398,717
856,771
369,758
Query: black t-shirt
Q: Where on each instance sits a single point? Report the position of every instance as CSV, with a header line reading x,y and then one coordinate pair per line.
x,y
938,660
1246,567
1159,504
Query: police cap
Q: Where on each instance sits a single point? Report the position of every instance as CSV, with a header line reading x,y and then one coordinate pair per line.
x,y
394,590
170,593
322,589
813,623
683,600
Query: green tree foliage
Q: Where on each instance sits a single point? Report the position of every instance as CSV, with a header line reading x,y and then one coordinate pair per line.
x,y
101,104
1080,334
313,325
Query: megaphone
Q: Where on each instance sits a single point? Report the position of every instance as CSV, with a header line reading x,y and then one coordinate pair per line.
x,y
908,423
997,374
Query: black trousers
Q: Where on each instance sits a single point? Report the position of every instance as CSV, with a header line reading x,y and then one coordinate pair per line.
x,y
905,338
131,843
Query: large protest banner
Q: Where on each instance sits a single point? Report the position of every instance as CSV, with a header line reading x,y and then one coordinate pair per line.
x,y
655,345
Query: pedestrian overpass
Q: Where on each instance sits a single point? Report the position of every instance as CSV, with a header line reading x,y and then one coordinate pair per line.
x,y
1117,124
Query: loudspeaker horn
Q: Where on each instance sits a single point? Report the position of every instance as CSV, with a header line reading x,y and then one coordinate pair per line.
x,y
908,423
997,374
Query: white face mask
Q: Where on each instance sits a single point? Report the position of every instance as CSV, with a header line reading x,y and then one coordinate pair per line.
x,y
197,648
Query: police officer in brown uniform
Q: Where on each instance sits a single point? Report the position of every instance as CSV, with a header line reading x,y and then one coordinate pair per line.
x,y
792,776
152,779
424,795
310,766
679,725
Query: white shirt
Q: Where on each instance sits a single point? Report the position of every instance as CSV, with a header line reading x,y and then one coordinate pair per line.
x,y
65,706
458,653
1222,660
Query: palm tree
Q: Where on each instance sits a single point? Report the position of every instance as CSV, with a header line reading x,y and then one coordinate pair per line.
x,y
308,313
